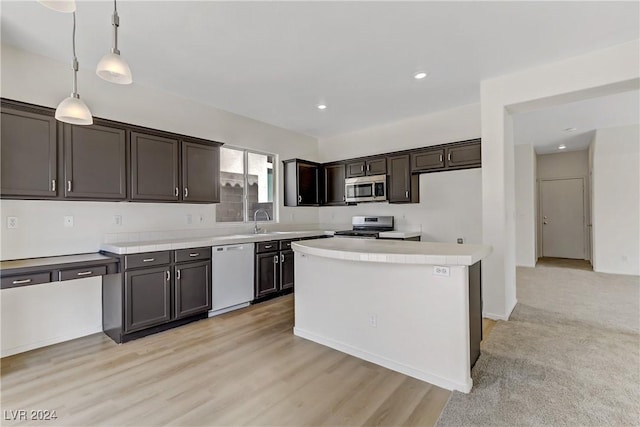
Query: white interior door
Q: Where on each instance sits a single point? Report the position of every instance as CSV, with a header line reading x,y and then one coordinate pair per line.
x,y
562,206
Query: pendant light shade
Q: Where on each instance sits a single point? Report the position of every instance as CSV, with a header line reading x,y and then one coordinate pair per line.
x,y
72,109
66,6
112,67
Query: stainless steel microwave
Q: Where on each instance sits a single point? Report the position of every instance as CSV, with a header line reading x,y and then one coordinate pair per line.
x,y
366,189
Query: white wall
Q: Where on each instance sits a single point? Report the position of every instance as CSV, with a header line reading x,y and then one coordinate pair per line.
x,y
525,188
39,80
450,202
598,73
616,200
571,164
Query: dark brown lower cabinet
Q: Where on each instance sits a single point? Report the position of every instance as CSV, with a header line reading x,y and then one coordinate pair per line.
x,y
147,298
286,269
274,268
157,291
192,290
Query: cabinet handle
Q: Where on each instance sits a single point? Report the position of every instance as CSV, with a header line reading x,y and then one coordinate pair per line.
x,y
53,185
69,186
186,192
194,254
282,258
299,199
368,168
275,259
177,193
406,194
449,157
268,246
20,282
178,274
84,273
148,259
168,275
440,158
361,168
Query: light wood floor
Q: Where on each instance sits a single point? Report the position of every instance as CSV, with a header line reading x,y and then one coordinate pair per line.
x,y
242,368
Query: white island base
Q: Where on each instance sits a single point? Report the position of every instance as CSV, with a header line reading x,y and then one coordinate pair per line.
x,y
372,304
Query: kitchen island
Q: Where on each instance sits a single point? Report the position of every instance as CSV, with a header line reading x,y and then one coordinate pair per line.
x,y
413,307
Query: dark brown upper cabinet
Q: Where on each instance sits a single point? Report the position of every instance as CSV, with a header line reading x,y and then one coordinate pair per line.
x,y
372,166
29,153
154,168
200,172
427,160
403,186
464,156
95,164
334,175
301,183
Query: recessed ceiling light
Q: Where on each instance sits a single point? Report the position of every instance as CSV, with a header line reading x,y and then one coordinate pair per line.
x,y
561,147
571,129
322,107
420,75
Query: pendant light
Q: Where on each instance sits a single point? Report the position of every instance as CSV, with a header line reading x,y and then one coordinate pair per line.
x,y
112,67
66,6
72,109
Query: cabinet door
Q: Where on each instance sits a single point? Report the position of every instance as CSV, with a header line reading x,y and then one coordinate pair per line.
x,y
286,269
355,169
307,184
427,160
377,166
154,168
267,273
192,290
466,155
28,153
147,298
399,190
200,173
94,162
334,176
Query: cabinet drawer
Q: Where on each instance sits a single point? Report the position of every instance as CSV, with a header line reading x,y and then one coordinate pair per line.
x,y
147,259
285,244
25,280
80,273
195,254
266,246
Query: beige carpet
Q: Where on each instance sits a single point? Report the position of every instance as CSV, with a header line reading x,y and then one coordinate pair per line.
x,y
570,355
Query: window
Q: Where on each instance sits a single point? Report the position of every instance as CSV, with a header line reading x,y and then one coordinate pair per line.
x,y
246,184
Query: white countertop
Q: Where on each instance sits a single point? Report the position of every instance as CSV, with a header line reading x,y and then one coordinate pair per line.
x,y
399,234
394,251
127,248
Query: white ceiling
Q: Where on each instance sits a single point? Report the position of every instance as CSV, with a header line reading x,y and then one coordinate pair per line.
x,y
546,129
275,61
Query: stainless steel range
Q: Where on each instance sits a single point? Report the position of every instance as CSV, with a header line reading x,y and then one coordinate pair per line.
x,y
367,227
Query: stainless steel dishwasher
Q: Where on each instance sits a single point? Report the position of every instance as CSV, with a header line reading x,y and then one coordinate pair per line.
x,y
231,278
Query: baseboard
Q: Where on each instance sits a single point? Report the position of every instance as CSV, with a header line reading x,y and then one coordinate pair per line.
x,y
494,316
386,363
50,341
620,273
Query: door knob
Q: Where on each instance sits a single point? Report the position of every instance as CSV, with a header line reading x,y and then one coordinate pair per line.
x,y
545,222
545,217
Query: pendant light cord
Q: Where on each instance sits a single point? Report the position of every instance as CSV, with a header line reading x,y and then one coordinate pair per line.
x,y
75,59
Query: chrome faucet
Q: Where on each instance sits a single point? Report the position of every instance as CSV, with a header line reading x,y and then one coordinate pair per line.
x,y
256,229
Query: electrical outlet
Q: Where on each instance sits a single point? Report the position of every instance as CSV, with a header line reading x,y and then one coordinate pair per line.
x,y
68,221
189,219
373,320
12,222
117,219
441,271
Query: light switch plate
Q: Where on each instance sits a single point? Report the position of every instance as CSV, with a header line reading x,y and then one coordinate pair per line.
x,y
68,221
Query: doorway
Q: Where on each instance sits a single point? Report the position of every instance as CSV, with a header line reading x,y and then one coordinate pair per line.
x,y
562,209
